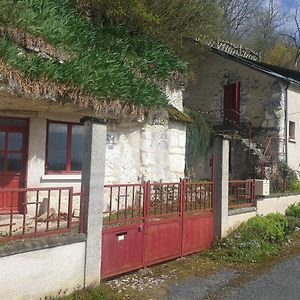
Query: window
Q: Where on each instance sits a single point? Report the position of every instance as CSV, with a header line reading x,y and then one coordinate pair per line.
x,y
64,148
292,135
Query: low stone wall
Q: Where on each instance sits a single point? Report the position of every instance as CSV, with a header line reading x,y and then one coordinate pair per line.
x,y
272,204
276,203
42,268
237,216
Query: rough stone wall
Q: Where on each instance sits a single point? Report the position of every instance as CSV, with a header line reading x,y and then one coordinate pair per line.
x,y
261,96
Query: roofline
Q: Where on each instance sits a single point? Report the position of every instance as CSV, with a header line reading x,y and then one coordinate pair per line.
x,y
253,66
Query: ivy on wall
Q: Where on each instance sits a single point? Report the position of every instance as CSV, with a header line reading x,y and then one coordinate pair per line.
x,y
199,136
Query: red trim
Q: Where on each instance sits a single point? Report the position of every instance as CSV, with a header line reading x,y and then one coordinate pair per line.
x,y
23,175
68,150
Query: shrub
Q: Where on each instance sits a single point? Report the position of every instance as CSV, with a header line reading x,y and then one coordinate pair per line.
x,y
293,223
253,240
293,210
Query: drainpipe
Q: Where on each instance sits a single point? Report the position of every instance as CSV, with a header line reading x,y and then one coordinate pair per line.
x,y
286,119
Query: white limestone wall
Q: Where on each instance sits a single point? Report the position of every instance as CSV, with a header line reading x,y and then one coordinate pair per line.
x,y
175,98
134,152
177,142
293,146
48,272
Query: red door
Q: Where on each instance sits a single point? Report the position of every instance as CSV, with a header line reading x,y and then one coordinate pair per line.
x,y
13,162
232,104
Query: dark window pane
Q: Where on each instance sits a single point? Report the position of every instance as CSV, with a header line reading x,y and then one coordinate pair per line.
x,y
15,141
2,140
76,148
57,147
1,161
12,122
14,162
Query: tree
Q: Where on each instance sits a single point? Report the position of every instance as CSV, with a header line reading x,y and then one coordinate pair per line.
x,y
266,28
282,54
293,35
236,17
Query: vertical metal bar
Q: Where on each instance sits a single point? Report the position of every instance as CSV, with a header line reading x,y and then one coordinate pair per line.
x,y
200,186
167,199
140,194
161,197
11,213
110,203
118,206
183,193
36,210
59,206
82,208
173,199
146,200
133,203
125,210
70,207
48,208
24,210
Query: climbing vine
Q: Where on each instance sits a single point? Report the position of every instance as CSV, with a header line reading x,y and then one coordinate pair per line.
x,y
199,136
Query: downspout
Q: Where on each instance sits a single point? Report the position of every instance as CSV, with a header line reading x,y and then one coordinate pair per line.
x,y
286,120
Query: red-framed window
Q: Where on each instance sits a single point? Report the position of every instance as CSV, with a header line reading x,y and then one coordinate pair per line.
x,y
292,133
64,148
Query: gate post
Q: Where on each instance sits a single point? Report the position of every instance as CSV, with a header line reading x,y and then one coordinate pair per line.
x,y
221,175
92,185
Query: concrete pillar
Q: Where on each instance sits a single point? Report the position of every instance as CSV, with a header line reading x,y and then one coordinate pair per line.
x,y
93,172
221,154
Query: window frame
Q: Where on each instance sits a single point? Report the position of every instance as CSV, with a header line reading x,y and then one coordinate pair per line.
x,y
68,170
292,131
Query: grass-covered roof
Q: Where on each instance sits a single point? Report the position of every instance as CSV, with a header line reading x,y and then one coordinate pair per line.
x,y
50,43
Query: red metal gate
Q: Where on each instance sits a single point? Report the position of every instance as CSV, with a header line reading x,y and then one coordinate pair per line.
x,y
148,223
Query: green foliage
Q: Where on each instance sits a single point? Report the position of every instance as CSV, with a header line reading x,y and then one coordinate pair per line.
x,y
253,240
293,223
172,21
285,179
109,62
293,210
199,135
93,293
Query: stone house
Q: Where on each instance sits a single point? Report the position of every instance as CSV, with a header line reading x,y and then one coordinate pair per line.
x,y
256,104
41,142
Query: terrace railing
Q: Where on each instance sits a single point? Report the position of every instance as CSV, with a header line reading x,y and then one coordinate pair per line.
x,y
241,193
41,212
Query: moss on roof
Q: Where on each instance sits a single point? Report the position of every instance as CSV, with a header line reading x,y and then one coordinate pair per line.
x,y
50,40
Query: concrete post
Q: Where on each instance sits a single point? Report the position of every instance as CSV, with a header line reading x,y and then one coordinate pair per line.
x,y
93,173
221,154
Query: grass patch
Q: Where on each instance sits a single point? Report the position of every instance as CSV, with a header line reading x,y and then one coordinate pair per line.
x,y
253,241
101,292
108,62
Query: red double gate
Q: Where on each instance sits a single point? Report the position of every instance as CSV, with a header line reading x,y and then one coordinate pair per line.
x,y
154,222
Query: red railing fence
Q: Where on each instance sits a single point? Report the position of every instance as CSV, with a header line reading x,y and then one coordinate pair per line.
x,y
241,193
41,212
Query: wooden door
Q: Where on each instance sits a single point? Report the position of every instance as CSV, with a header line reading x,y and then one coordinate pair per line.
x,y
232,104
13,162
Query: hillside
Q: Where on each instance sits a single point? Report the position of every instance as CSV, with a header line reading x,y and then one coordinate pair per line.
x,y
50,43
